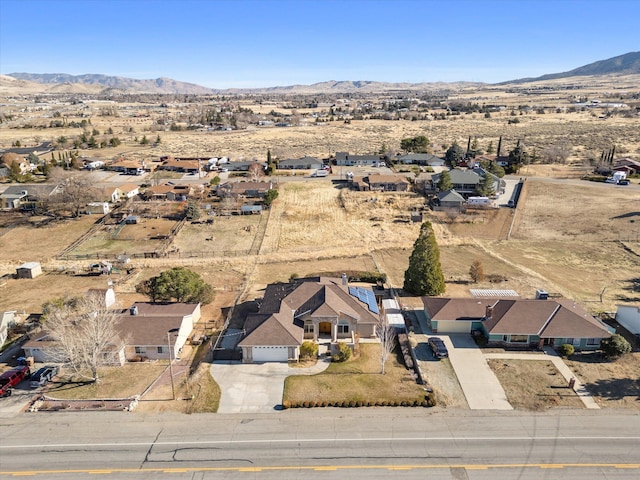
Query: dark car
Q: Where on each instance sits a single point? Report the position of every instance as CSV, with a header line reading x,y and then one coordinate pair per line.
x,y
438,347
43,376
624,182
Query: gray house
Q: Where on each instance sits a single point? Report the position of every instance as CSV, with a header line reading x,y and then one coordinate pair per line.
x,y
304,163
421,159
450,199
344,159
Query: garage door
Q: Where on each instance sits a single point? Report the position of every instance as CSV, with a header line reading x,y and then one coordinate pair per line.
x,y
453,326
270,354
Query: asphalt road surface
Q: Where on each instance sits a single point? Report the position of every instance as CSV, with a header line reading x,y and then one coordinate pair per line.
x,y
367,443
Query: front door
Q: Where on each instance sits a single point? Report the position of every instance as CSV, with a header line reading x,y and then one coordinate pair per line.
x,y
325,327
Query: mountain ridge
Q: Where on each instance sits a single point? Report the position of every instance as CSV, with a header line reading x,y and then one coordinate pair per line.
x,y
626,64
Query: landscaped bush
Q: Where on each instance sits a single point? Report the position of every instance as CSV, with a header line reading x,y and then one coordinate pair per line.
x,y
615,346
308,350
566,350
344,353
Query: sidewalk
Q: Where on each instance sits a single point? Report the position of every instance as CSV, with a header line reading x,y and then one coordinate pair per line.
x,y
551,355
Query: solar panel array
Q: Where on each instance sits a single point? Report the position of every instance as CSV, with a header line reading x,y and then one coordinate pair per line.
x,y
365,296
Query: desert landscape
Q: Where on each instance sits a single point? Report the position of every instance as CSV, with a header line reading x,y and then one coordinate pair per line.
x,y
574,238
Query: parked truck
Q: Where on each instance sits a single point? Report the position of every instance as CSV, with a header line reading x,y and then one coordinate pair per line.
x,y
320,173
11,378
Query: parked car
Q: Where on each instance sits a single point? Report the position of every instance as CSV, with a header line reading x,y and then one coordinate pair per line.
x,y
438,347
43,376
11,378
624,182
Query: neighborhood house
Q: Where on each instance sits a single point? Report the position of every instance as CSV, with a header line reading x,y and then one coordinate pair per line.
x,y
319,309
518,322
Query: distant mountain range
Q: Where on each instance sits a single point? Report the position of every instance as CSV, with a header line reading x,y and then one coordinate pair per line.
x,y
626,64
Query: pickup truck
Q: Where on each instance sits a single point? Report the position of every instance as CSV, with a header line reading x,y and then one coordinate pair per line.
x,y
43,376
11,378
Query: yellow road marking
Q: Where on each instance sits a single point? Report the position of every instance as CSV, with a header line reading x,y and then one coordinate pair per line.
x,y
325,468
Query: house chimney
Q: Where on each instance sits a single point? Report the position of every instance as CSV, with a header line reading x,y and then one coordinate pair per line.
x,y
489,312
345,280
133,310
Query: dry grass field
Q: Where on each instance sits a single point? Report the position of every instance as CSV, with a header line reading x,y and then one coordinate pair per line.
x,y
534,384
613,384
227,234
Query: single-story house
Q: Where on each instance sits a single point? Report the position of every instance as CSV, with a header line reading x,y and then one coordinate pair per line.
x,y
244,189
128,167
309,308
304,163
124,192
183,166
243,166
344,159
629,317
450,199
27,196
467,182
168,192
149,330
518,322
627,165
421,159
388,183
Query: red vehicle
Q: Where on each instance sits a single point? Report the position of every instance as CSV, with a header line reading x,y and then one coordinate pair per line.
x,y
11,378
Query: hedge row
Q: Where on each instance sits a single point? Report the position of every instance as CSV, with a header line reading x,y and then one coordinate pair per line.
x,y
428,401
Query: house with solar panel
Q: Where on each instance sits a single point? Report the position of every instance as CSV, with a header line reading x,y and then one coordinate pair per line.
x,y
320,309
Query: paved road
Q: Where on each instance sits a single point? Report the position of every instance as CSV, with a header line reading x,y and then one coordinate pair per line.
x,y
323,443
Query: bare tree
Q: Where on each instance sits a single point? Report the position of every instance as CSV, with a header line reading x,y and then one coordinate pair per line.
x,y
76,191
85,335
387,336
558,152
255,172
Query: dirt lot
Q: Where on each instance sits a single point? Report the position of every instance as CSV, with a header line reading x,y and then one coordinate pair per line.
x,y
534,385
30,242
233,233
613,384
146,236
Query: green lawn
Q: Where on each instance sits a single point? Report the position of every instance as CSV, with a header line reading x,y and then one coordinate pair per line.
x,y
358,380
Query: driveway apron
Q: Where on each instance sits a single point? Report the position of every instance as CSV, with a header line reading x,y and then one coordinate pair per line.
x,y
479,384
255,387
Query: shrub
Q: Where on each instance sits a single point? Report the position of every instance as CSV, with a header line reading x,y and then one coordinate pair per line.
x,y
309,349
615,346
566,350
344,353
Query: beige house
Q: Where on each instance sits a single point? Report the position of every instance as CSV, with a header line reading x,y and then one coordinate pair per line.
x,y
316,309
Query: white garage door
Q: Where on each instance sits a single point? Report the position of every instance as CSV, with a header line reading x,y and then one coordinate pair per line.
x,y
270,354
453,326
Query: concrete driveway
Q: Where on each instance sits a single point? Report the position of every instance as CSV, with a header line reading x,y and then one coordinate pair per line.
x,y
479,384
255,387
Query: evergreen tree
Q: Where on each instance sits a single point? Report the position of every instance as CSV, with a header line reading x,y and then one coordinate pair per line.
x,y
486,186
424,275
454,155
444,181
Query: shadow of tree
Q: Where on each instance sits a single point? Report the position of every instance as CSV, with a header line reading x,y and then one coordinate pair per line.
x,y
616,389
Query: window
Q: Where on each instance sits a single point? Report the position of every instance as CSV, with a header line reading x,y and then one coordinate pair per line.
x,y
160,349
343,328
593,341
141,350
519,338
308,328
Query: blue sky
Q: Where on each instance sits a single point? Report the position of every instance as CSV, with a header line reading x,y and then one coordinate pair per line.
x,y
262,43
